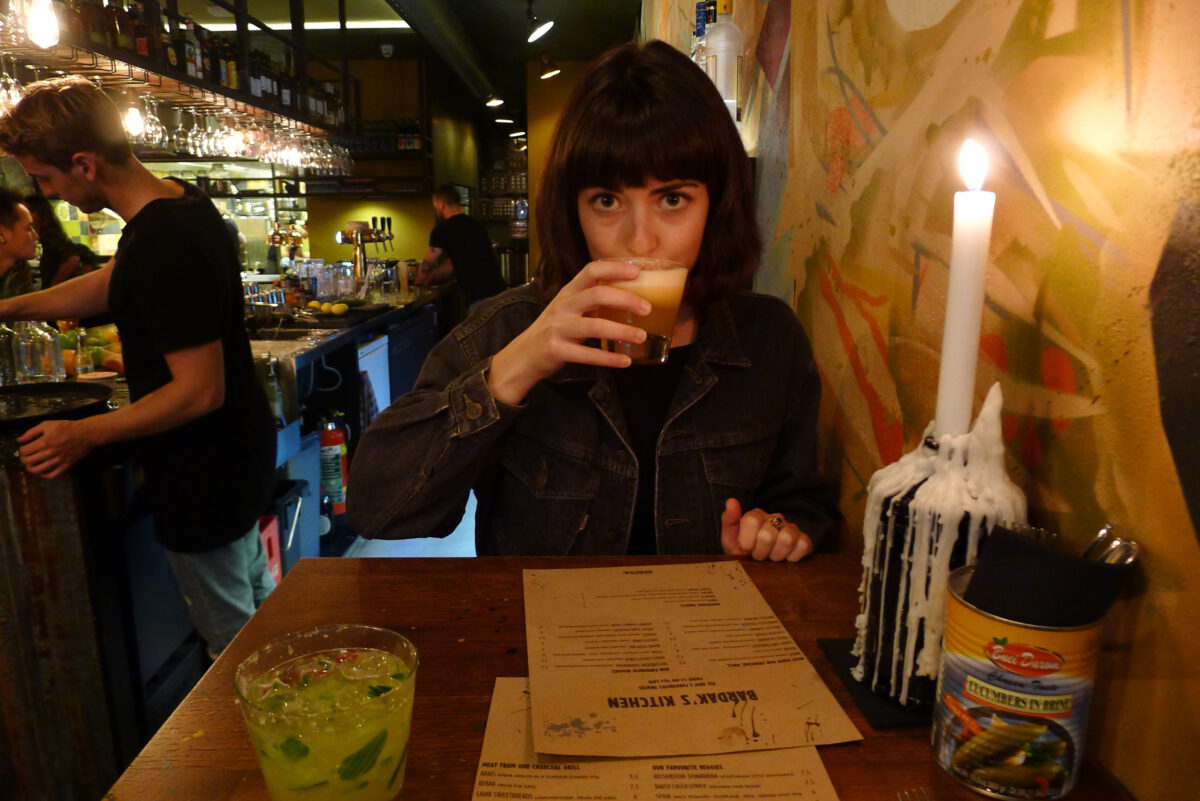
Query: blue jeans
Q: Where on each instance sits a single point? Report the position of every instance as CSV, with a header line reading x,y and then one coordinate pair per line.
x,y
222,587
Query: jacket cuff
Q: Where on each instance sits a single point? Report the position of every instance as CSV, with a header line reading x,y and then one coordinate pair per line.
x,y
472,405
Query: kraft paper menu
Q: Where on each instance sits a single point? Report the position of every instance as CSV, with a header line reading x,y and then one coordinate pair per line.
x,y
510,768
659,660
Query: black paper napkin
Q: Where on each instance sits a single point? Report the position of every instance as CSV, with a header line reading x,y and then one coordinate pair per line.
x,y
1022,579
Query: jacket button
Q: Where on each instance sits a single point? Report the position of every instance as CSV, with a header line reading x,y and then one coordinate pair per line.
x,y
474,410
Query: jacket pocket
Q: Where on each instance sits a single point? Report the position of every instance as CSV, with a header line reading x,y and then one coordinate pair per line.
x,y
739,465
542,501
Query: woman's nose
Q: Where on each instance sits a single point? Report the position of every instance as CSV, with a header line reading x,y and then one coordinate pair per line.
x,y
640,237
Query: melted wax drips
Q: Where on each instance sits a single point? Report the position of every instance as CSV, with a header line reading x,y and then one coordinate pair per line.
x,y
961,477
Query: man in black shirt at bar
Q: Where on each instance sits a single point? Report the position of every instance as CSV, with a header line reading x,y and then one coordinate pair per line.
x,y
459,247
205,434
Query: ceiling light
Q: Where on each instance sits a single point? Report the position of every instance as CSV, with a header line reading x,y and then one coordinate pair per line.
x,y
537,27
42,24
492,101
549,67
134,122
505,121
515,134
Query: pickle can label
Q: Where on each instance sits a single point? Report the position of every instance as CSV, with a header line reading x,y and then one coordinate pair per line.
x,y
1012,701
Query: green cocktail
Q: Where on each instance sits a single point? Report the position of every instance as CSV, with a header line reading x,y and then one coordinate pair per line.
x,y
329,712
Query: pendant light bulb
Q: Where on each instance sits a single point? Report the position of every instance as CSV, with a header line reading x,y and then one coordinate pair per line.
x,y
549,67
537,27
135,124
42,24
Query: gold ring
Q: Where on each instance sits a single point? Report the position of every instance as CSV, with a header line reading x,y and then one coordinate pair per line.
x,y
776,521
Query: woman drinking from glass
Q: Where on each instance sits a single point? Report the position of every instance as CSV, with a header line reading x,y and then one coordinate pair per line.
x,y
569,447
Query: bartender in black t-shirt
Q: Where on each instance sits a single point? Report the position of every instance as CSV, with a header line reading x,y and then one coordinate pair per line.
x,y
204,430
459,247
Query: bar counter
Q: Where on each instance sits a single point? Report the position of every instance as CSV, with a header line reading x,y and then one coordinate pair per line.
x,y
466,617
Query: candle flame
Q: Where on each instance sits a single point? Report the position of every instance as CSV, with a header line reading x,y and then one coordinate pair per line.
x,y
972,164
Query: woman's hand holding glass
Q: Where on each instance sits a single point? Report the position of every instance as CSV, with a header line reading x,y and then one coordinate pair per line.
x,y
557,336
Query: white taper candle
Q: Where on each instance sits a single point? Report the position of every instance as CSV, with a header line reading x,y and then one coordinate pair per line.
x,y
964,298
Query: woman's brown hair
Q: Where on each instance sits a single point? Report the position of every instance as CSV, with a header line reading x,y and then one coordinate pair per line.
x,y
640,113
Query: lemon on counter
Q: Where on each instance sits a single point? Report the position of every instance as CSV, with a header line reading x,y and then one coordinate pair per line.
x,y
339,308
314,304
326,308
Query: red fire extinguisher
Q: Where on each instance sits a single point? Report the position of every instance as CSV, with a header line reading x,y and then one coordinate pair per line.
x,y
333,464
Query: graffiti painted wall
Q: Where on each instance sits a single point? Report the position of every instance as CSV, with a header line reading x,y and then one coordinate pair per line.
x,y
1091,325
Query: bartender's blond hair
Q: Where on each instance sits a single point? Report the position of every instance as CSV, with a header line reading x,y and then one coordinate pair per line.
x,y
61,117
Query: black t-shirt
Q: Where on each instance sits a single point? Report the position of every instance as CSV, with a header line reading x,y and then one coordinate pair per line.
x,y
466,244
176,285
645,391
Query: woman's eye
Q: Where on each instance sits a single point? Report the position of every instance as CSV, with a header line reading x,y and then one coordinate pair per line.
x,y
673,200
605,201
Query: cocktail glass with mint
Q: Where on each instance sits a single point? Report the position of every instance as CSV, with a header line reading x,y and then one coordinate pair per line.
x,y
329,712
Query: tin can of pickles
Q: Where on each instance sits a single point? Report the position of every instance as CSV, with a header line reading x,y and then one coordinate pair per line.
x,y
1012,701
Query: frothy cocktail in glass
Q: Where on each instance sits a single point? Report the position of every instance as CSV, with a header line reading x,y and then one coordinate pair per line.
x,y
661,282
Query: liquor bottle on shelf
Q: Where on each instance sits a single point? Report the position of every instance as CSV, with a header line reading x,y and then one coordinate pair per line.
x,y
232,79
254,74
111,23
71,15
95,22
179,44
124,24
699,47
166,41
287,93
191,47
270,81
724,44
208,68
141,31
222,65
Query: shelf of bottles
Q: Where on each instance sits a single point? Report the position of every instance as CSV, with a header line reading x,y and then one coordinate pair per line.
x,y
185,91
504,191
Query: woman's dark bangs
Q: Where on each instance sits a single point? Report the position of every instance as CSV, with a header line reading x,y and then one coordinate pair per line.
x,y
653,146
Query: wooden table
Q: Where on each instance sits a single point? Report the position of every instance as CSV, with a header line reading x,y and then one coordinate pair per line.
x,y
467,618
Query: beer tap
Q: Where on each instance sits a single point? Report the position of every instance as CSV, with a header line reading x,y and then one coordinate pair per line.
x,y
389,233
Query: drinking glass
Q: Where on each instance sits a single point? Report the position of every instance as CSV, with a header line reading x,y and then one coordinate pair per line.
x,y
329,712
661,282
10,87
154,133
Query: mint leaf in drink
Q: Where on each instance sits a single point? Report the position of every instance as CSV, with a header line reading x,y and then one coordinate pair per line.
x,y
362,760
293,749
399,676
377,690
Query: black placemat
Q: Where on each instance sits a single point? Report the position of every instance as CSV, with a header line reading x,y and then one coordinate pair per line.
x,y
880,712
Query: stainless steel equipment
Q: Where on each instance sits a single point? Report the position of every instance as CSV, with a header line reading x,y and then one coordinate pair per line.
x,y
358,234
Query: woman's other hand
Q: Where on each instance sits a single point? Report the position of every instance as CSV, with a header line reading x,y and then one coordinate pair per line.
x,y
760,535
557,336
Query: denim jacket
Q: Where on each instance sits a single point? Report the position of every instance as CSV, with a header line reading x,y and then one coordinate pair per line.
x,y
556,475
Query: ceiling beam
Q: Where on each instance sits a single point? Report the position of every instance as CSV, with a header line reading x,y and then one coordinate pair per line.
x,y
442,31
